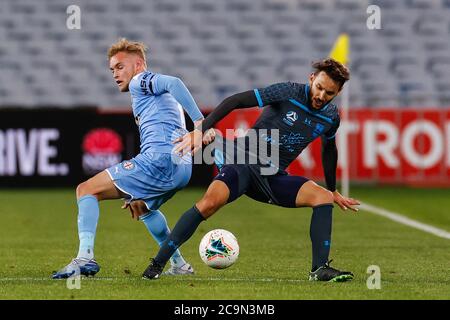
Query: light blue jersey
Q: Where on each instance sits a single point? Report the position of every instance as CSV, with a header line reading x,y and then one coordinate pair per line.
x,y
156,174
157,110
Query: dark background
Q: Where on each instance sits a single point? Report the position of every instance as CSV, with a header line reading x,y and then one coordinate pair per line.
x,y
73,125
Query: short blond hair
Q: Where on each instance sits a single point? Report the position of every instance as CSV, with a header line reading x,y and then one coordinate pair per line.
x,y
125,45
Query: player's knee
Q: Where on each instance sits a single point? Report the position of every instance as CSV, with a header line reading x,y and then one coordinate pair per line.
x,y
322,196
82,190
208,206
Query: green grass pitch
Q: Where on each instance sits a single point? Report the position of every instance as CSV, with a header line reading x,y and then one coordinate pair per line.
x,y
38,235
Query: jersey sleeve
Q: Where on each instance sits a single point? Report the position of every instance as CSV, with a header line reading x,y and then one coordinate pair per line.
x,y
141,85
331,133
275,93
149,83
160,84
154,84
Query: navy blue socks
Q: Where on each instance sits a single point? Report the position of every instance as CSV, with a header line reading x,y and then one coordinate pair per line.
x,y
183,230
156,224
320,233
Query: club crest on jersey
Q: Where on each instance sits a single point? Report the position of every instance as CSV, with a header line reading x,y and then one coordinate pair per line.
x,y
128,165
290,118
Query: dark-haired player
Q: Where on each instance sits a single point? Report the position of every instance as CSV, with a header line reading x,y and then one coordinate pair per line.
x,y
300,113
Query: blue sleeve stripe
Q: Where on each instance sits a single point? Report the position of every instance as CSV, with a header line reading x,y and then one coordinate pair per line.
x,y
304,108
334,135
258,97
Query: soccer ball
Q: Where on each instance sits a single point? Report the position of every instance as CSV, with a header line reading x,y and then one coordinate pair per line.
x,y
219,249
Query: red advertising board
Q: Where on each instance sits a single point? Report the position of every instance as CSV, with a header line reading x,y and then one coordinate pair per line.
x,y
405,146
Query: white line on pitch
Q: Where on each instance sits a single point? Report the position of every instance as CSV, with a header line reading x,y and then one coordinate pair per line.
x,y
406,221
139,279
243,279
49,279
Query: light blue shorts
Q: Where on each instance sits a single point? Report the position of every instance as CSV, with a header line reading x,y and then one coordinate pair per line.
x,y
151,177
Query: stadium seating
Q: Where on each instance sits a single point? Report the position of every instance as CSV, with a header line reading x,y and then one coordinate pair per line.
x,y
223,46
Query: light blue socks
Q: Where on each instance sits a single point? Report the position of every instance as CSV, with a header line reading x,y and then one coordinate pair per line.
x,y
156,224
88,213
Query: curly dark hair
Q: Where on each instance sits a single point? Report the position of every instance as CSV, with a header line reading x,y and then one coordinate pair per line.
x,y
335,70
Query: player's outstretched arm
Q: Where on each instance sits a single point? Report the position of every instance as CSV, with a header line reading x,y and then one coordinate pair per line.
x,y
246,99
329,161
192,141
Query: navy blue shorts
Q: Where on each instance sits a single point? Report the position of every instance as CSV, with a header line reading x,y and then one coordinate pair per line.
x,y
279,189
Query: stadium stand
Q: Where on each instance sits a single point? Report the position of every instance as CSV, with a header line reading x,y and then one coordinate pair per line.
x,y
223,46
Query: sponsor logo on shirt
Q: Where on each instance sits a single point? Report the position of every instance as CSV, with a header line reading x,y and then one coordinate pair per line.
x,y
143,84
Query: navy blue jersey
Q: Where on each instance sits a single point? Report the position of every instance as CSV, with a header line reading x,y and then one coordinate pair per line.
x,y
289,110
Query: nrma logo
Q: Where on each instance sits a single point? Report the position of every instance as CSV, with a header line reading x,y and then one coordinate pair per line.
x,y
290,118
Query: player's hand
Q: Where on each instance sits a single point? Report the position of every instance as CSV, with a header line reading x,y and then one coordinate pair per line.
x,y
344,202
127,205
208,136
190,142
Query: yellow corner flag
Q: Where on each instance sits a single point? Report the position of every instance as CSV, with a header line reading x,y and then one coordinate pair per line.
x,y
341,49
341,53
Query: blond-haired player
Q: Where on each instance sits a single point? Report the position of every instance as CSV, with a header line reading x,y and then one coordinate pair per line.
x,y
154,175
